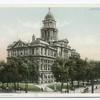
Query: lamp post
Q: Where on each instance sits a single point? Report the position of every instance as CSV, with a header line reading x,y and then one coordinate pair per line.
x,y
60,81
55,86
26,86
92,79
67,87
67,80
92,84
26,83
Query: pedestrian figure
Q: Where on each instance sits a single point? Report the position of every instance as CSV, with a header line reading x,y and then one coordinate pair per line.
x,y
7,88
65,91
87,89
41,89
54,87
45,89
19,89
96,87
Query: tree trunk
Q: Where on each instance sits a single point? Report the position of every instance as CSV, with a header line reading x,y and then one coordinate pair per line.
x,y
26,87
67,87
92,86
15,86
78,83
7,87
61,86
7,84
72,83
83,82
2,86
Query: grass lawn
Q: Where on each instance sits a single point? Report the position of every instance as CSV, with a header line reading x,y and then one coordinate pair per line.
x,y
58,87
31,87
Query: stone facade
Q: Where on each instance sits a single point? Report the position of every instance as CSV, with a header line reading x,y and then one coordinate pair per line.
x,y
44,50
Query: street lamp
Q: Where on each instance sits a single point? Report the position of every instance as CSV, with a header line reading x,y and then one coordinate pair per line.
x,y
67,87
60,79
67,81
92,85
26,82
55,86
92,80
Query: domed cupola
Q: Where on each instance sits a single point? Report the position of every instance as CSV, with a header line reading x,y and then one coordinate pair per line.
x,y
49,16
49,30
49,20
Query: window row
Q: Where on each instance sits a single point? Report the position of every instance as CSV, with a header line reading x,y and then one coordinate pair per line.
x,y
45,67
43,61
18,52
43,51
47,76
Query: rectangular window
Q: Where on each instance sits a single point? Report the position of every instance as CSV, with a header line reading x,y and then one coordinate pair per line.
x,y
41,66
41,51
33,51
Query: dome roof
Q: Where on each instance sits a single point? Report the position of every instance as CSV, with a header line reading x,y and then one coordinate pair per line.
x,y
49,16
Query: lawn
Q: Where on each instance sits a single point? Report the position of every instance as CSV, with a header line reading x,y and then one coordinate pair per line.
x,y
31,87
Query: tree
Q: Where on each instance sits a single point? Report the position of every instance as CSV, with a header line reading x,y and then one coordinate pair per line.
x,y
60,70
9,73
33,71
97,70
80,68
72,71
19,70
2,74
90,73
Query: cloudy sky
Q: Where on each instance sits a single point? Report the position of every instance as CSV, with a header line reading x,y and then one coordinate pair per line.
x,y
81,26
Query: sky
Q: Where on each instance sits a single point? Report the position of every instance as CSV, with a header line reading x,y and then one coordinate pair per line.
x,y
80,25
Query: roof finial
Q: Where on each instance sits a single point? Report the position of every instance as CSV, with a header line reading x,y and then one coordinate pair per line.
x,y
49,9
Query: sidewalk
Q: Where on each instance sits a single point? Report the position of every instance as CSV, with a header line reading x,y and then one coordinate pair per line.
x,y
48,90
81,89
77,90
45,87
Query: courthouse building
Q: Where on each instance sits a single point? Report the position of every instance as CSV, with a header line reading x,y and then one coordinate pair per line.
x,y
44,50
